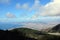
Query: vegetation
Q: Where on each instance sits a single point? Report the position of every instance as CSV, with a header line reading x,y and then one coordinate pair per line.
x,y
29,34
38,35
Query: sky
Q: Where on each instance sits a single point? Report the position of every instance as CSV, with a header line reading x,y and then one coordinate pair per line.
x,y
36,14
29,10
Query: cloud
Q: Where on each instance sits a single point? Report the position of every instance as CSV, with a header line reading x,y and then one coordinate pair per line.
x,y
10,15
18,6
52,9
35,6
38,26
4,1
24,6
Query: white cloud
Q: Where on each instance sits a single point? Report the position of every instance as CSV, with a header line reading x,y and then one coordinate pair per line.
x,y
50,9
38,26
53,8
36,3
10,15
24,6
18,6
4,1
35,6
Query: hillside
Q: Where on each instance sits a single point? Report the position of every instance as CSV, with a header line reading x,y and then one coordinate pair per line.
x,y
27,32
55,29
35,34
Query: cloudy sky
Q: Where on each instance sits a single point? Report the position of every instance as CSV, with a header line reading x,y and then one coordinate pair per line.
x,y
29,10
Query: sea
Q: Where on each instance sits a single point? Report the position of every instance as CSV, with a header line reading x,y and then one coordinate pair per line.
x,y
7,26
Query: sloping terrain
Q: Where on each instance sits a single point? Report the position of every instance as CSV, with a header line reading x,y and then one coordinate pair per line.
x,y
28,34
55,29
35,34
13,35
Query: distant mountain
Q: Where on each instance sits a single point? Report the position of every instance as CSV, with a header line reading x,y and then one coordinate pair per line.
x,y
55,28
